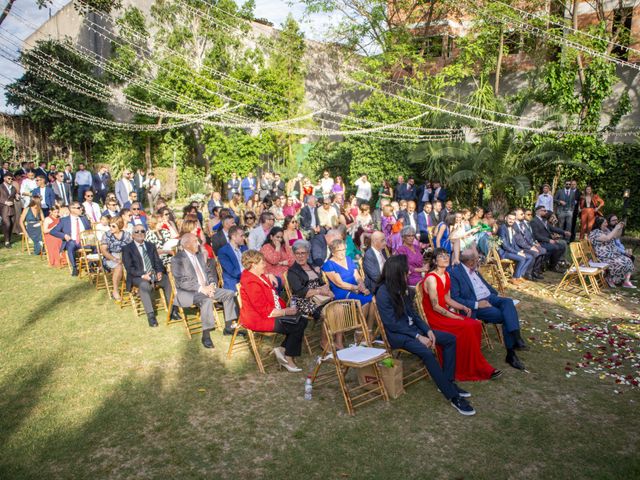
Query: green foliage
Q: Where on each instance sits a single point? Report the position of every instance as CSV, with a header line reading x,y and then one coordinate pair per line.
x,y
120,153
7,147
191,180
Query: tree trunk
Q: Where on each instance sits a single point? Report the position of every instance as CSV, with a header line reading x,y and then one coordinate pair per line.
x,y
496,87
6,11
498,203
574,19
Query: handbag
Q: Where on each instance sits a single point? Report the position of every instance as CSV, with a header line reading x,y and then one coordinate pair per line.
x,y
290,319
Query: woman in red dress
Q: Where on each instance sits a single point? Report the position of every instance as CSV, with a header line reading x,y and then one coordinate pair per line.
x,y
470,363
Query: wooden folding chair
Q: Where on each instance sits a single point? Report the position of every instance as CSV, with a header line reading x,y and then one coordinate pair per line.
x,y
589,258
579,279
344,316
409,377
90,263
315,341
25,243
256,342
133,298
503,267
491,273
192,324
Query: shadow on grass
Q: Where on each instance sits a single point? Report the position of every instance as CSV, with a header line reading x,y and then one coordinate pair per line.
x,y
50,303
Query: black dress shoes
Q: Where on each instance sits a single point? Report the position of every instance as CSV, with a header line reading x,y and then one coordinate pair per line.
x,y
537,276
520,344
74,272
229,331
207,343
152,320
175,314
513,360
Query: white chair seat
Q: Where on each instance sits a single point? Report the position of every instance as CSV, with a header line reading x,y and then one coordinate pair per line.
x,y
358,354
598,264
584,270
93,257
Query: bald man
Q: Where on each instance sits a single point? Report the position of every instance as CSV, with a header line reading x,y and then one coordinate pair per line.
x,y
374,259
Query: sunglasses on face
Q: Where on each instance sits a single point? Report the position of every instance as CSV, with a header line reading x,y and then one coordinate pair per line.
x,y
139,231
135,209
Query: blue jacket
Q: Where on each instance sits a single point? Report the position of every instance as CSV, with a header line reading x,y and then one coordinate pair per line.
x,y
510,246
371,269
462,289
231,268
49,195
64,228
399,329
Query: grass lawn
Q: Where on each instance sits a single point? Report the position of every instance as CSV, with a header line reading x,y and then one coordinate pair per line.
x,y
89,391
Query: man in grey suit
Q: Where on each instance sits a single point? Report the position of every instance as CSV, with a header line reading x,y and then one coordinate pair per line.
x,y
197,284
123,188
565,200
374,259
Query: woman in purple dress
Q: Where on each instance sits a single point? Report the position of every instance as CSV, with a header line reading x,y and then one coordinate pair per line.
x,y
411,248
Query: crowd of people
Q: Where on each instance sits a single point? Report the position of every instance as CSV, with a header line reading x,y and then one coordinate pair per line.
x,y
316,241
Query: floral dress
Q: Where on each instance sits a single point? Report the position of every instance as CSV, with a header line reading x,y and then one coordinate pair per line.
x,y
159,238
114,246
619,264
306,305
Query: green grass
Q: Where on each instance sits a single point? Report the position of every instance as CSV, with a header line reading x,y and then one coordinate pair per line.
x,y
89,391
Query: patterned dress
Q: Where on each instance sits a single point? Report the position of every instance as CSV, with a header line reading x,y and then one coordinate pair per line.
x,y
114,246
159,238
619,264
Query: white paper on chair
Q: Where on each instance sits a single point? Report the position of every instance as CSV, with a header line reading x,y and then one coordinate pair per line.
x,y
171,244
358,354
515,301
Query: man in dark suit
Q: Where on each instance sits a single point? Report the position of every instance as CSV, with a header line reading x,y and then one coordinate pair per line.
x,y
9,195
400,186
444,213
222,235
46,193
409,216
426,220
197,284
525,240
230,257
564,201
474,292
4,170
320,247
61,190
101,184
576,203
509,249
407,190
23,170
423,194
374,260
233,185
309,220
41,171
542,234
438,193
144,270
68,230
278,186
138,184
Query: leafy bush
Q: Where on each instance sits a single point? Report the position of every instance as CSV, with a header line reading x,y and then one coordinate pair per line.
x,y
7,146
191,180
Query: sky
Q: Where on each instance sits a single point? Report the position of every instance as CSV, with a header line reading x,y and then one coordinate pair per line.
x,y
275,11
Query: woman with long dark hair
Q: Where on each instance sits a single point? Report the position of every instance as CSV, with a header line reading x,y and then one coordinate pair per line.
x,y
407,330
277,254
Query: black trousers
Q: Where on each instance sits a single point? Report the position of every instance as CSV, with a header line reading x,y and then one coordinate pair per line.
x,y
293,335
555,251
7,227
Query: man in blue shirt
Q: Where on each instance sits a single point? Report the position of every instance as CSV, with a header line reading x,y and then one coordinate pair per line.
x,y
83,181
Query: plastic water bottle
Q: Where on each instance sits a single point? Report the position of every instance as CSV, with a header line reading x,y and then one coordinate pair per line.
x,y
308,388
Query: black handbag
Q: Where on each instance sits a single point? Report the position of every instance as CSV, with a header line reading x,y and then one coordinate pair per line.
x,y
291,319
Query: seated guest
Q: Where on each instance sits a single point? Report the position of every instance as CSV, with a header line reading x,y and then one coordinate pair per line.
x,y
111,248
230,257
620,265
91,208
525,240
46,194
133,197
409,215
112,209
145,270
168,223
443,231
249,223
258,235
159,237
327,214
52,243
509,249
197,284
426,222
374,260
612,220
263,311
291,231
278,212
407,330
352,251
474,292
306,283
214,201
31,220
320,247
222,235
126,215
542,233
291,207
411,249
345,279
277,254
102,227
69,230
309,219
470,363
137,218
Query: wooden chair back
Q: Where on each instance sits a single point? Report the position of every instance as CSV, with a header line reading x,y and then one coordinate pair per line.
x,y
344,316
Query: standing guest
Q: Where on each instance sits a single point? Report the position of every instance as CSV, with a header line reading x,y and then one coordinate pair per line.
x,y
159,237
309,217
30,223
101,184
411,249
197,284
278,186
385,192
61,190
290,230
263,311
222,235
620,266
68,179
83,181
509,249
474,292
52,243
545,198
258,235
46,194
41,171
91,208
363,193
407,191
248,186
139,180
439,193
277,254
153,187
233,185
145,270
470,363
214,201
426,222
295,187
4,170
338,187
374,260
69,230
542,234
230,258
123,188
24,168
564,200
112,208
423,194
577,196
590,207
326,184
399,188
264,187
405,329
327,215
27,186
446,210
111,247
51,174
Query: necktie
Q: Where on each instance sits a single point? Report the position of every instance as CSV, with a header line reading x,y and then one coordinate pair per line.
x,y
64,193
145,259
77,239
201,280
93,213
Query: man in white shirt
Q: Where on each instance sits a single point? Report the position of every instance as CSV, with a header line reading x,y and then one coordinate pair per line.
x,y
545,198
327,214
374,259
258,235
363,194
91,208
153,187
26,187
326,183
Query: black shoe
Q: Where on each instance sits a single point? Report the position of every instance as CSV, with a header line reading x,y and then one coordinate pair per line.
x,y
229,331
74,272
175,314
152,320
520,344
558,269
207,343
461,393
537,276
462,406
495,374
514,361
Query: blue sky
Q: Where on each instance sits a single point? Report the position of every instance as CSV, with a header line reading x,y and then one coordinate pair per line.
x,y
275,11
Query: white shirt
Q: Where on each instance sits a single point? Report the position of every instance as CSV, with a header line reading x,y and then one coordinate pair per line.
x,y
379,257
546,200
75,223
257,237
412,221
27,186
327,185
92,210
479,288
364,189
425,195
